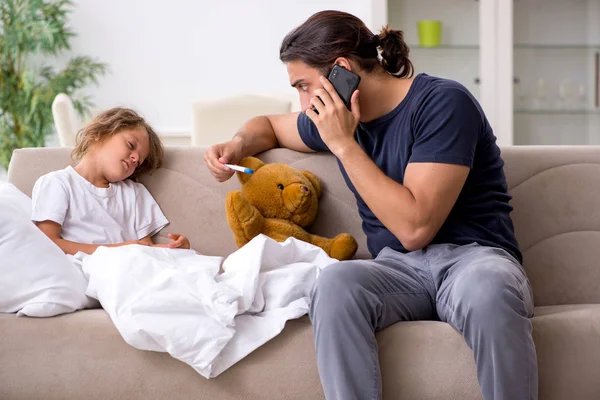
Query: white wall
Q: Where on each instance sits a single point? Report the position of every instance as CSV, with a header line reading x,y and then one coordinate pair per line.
x,y
165,54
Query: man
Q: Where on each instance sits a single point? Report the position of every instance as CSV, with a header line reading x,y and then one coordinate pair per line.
x,y
422,161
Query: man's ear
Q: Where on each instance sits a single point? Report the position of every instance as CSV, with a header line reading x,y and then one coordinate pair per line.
x,y
343,62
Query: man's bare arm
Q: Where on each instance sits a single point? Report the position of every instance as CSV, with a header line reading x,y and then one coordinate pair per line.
x,y
255,136
415,211
266,132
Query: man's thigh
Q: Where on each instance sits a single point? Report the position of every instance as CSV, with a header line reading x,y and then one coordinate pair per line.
x,y
393,287
480,277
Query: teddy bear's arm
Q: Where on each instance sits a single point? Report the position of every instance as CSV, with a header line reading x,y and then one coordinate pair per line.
x,y
244,219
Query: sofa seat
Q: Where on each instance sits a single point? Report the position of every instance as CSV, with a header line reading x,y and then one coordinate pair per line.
x,y
413,355
47,364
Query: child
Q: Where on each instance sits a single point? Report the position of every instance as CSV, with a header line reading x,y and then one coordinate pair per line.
x,y
94,203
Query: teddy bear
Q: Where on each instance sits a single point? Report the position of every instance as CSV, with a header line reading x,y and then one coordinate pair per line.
x,y
279,201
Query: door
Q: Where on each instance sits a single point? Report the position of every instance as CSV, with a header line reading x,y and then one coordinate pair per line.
x,y
556,56
467,48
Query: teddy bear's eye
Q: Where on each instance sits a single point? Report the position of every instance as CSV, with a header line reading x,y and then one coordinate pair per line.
x,y
280,186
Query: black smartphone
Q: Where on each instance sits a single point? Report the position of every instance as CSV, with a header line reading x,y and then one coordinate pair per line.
x,y
345,83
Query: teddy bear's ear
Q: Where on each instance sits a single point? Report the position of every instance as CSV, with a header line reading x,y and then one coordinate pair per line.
x,y
249,162
313,180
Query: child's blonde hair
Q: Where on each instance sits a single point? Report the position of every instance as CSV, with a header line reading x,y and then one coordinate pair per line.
x,y
112,121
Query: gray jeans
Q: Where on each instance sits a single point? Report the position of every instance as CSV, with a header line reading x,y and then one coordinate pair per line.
x,y
482,292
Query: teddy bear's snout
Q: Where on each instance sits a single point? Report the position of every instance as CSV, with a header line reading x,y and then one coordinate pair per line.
x,y
297,198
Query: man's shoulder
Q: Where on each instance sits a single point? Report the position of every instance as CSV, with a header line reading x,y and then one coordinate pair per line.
x,y
435,88
441,96
431,82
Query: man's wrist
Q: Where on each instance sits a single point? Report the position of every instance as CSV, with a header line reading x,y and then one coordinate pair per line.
x,y
347,150
239,140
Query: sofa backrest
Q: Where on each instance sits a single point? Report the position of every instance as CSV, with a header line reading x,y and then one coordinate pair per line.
x,y
556,200
555,194
194,202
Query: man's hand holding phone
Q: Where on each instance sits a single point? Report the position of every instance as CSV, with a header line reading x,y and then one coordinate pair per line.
x,y
336,124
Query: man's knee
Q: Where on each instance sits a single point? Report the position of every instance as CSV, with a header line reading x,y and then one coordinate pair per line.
x,y
339,288
492,291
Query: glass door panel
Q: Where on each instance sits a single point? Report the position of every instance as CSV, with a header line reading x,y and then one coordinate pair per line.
x,y
457,55
556,68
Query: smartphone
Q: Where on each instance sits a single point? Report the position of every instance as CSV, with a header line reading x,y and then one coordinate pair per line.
x,y
345,83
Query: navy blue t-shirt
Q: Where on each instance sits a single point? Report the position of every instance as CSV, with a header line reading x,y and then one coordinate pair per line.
x,y
438,121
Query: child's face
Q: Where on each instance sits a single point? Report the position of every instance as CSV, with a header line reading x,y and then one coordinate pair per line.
x,y
119,155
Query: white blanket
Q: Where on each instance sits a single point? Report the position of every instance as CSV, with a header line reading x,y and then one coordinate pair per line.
x,y
174,300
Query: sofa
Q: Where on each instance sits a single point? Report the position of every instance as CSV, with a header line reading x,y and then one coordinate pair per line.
x,y
556,199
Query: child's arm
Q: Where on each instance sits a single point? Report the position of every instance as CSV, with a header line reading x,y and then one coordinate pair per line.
x,y
53,231
150,219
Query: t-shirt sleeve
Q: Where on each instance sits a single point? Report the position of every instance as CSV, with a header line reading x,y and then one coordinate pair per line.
x,y
447,127
310,134
49,200
149,219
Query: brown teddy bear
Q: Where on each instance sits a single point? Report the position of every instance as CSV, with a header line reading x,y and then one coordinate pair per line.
x,y
280,201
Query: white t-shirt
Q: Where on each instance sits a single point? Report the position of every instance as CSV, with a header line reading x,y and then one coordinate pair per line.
x,y
89,214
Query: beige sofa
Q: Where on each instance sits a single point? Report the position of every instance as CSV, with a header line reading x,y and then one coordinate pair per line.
x,y
557,219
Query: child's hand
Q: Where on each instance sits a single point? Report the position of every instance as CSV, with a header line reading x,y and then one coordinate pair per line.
x,y
178,242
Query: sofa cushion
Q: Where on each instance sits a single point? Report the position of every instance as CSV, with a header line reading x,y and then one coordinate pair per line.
x,y
556,197
430,360
83,356
567,340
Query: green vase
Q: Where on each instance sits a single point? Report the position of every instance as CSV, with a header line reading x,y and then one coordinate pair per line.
x,y
430,33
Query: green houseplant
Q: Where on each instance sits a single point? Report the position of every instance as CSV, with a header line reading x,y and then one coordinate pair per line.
x,y
30,31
